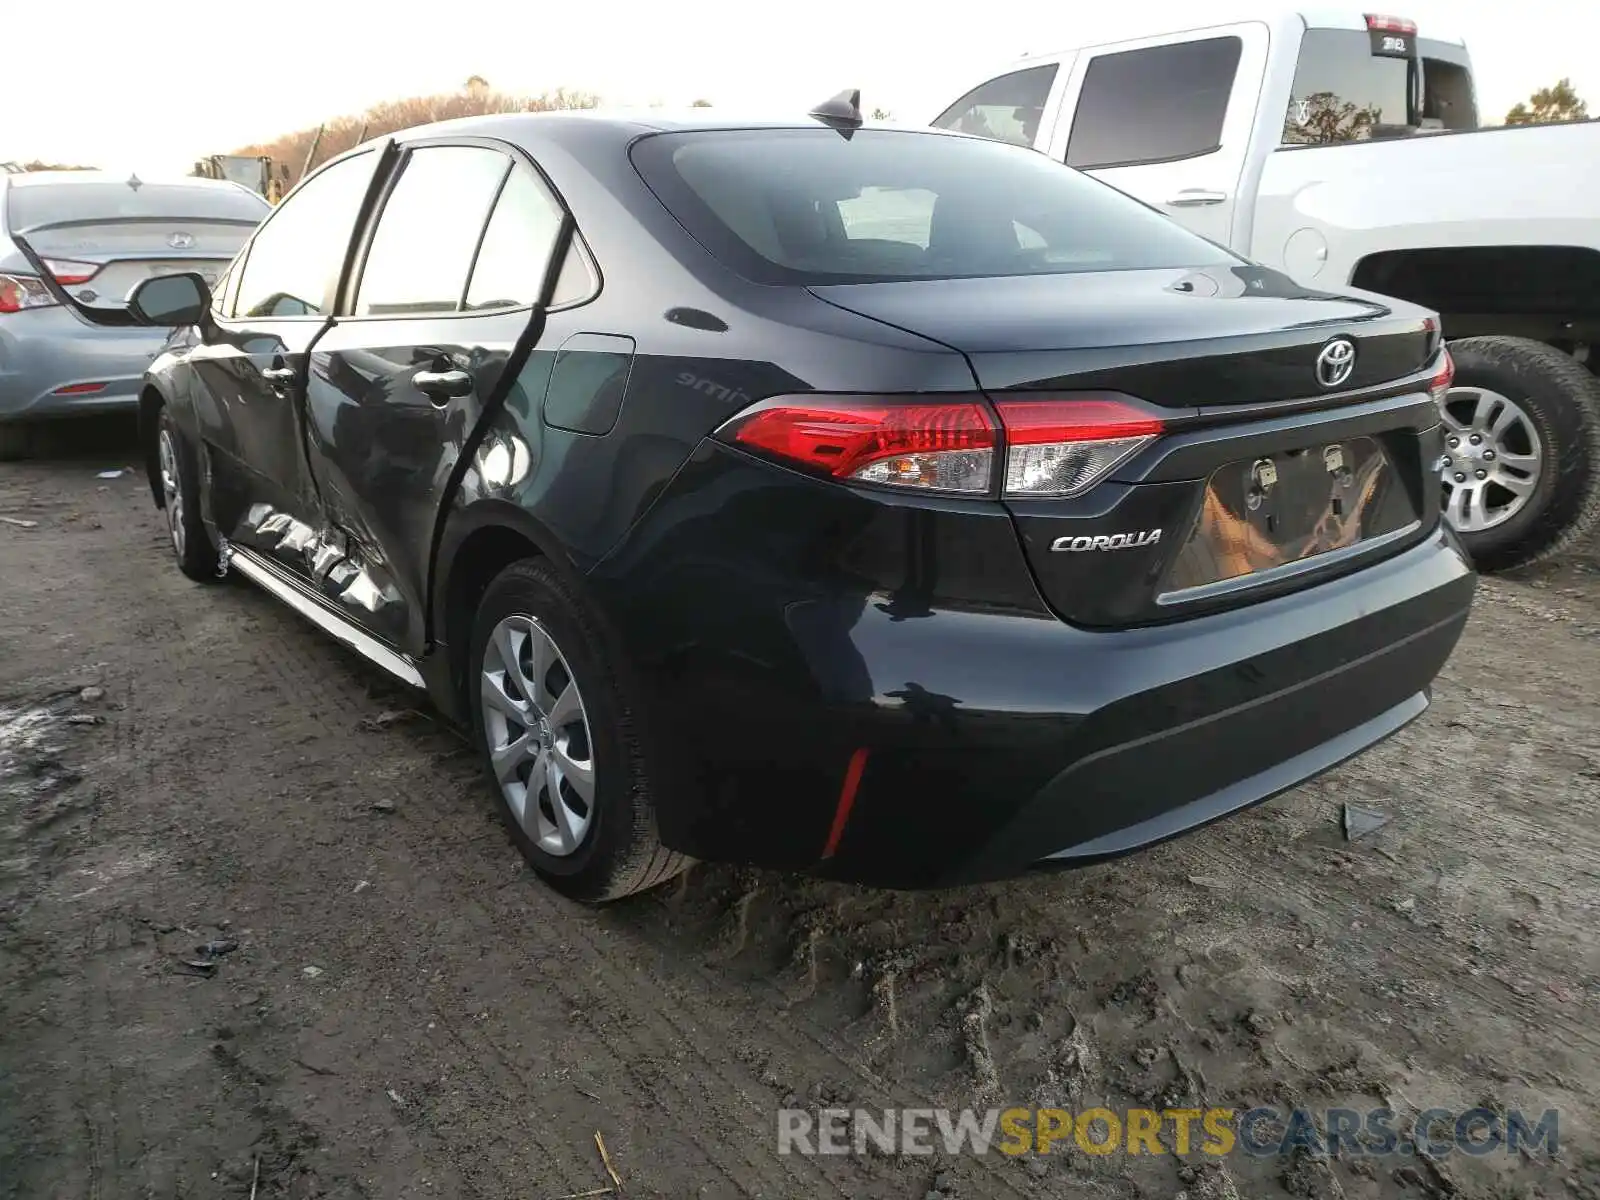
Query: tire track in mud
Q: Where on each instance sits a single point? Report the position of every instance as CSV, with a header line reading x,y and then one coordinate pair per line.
x,y
299,655
574,1174
1404,939
660,1013
644,1034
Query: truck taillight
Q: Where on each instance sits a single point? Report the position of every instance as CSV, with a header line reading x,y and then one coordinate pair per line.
x,y
69,273
1063,447
18,292
1054,446
1386,24
1439,385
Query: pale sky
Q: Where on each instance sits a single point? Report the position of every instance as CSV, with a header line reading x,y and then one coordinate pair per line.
x,y
131,84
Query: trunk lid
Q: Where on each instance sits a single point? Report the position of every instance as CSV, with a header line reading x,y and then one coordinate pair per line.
x,y
1266,477
1177,338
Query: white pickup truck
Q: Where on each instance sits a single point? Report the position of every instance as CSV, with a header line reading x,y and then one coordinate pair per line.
x,y
1346,152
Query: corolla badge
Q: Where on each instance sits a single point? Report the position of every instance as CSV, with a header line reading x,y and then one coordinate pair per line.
x,y
1335,362
1103,541
180,241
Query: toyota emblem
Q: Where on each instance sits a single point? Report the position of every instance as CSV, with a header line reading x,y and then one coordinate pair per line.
x,y
1336,362
181,241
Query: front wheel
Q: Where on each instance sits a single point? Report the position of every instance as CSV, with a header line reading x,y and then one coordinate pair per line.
x,y
180,502
561,742
1521,473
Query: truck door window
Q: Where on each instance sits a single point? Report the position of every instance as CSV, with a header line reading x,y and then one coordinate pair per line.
x,y
1007,109
1158,104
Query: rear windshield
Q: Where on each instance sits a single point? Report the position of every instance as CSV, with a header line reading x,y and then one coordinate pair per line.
x,y
33,206
809,206
1343,92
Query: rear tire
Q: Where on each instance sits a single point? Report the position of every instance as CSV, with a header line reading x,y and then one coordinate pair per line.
x,y
557,695
1561,401
179,478
18,441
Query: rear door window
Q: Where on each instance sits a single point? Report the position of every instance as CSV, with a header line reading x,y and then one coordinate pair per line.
x,y
515,256
1007,109
428,233
1154,104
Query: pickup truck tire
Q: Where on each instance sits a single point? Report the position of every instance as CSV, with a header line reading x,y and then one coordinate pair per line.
x,y
1561,400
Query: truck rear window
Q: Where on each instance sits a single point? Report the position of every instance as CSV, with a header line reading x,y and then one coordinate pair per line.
x,y
808,206
1344,93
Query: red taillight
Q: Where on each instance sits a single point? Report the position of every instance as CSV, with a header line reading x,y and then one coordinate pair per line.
x,y
1387,24
18,292
1055,447
79,389
1063,447
920,442
1439,385
69,273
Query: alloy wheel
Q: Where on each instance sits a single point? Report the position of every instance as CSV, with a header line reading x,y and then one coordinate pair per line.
x,y
538,735
1492,458
172,490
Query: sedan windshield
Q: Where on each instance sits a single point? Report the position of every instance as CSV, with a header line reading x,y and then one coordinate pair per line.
x,y
810,206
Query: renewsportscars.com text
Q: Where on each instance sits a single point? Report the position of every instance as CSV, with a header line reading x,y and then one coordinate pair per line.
x,y
1259,1132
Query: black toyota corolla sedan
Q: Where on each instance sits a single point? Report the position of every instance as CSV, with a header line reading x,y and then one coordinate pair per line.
x,y
892,505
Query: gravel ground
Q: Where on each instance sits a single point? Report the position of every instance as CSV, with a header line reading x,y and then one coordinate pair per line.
x,y
393,1007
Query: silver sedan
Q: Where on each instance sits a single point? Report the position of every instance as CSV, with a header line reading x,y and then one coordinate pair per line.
x,y
72,245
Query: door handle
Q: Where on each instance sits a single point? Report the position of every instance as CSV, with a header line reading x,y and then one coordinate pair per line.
x,y
278,376
1196,197
443,385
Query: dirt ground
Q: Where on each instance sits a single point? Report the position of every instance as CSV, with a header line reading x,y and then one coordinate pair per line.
x,y
407,1013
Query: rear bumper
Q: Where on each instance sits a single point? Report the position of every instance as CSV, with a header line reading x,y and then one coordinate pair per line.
x,y
45,350
995,742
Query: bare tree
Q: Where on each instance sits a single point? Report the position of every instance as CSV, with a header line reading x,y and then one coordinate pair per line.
x,y
341,133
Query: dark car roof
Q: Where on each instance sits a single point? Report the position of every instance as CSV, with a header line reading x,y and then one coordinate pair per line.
x,y
596,128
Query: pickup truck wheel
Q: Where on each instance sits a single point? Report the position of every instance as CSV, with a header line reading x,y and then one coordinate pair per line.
x,y
561,741
1522,450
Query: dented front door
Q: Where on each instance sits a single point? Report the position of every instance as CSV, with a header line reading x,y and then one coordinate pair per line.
x,y
251,365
